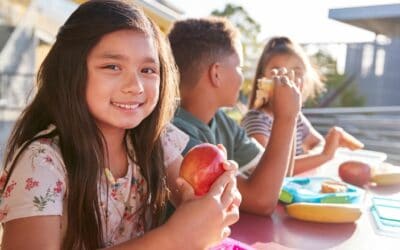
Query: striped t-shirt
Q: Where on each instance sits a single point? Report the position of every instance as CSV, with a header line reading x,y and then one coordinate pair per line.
x,y
259,122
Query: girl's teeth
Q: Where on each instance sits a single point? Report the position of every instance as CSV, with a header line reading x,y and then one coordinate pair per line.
x,y
126,106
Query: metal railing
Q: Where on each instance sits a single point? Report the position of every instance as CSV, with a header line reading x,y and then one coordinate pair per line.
x,y
377,127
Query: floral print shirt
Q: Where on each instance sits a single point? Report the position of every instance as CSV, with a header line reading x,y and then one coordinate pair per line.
x,y
38,186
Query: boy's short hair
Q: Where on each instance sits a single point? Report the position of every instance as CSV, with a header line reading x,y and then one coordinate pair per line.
x,y
197,43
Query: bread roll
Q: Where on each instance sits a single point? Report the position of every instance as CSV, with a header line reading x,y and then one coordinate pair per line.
x,y
331,186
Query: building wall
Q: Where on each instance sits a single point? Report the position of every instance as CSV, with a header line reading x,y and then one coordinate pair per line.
x,y
377,69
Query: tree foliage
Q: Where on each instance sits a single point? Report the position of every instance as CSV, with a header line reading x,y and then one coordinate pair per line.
x,y
341,89
248,27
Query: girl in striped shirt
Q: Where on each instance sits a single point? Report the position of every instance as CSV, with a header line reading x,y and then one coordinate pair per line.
x,y
280,53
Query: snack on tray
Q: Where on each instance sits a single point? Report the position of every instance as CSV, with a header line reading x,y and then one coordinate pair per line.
x,y
332,186
312,190
265,89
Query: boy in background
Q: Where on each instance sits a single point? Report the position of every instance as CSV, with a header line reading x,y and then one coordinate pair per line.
x,y
208,53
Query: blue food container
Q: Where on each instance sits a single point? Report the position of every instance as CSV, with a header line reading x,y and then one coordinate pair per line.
x,y
308,189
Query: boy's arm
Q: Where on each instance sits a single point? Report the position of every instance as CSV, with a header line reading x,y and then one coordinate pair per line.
x,y
268,176
262,139
309,161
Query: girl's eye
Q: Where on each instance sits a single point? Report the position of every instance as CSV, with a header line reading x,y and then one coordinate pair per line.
x,y
112,67
149,71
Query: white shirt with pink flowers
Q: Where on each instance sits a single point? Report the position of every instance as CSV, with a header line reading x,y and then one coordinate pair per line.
x,y
38,186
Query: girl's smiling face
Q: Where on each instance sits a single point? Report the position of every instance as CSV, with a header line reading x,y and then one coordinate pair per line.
x,y
123,79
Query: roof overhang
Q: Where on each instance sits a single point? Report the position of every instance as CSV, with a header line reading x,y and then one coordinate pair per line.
x,y
380,19
160,13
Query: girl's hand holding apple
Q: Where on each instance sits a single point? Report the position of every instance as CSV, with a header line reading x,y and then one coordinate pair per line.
x,y
210,213
202,165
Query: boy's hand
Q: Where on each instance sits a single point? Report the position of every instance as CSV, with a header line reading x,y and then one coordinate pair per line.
x,y
286,100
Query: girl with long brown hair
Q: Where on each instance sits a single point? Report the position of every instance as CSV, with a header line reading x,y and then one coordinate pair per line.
x,y
281,53
92,159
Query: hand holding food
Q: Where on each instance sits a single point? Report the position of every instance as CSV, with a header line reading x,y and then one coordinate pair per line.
x,y
349,141
206,173
204,220
201,166
337,137
286,99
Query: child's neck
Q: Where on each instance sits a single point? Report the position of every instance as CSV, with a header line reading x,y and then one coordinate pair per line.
x,y
117,155
118,163
200,100
201,110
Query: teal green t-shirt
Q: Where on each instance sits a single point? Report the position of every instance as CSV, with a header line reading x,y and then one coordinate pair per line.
x,y
221,130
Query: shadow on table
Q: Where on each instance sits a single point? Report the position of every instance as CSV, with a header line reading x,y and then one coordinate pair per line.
x,y
284,232
256,228
318,235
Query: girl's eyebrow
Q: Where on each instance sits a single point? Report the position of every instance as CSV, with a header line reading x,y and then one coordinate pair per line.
x,y
147,59
113,56
150,59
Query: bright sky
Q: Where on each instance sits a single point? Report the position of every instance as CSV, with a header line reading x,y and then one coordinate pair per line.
x,y
302,20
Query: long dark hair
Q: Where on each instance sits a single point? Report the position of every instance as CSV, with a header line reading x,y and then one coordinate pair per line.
x,y
60,100
313,84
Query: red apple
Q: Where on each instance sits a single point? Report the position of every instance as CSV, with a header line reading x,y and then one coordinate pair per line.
x,y
354,172
201,166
